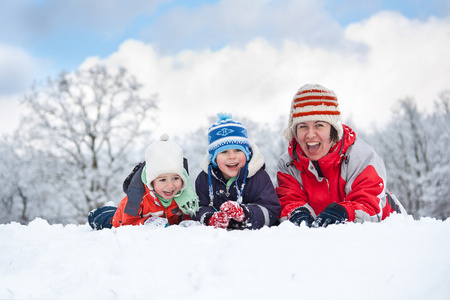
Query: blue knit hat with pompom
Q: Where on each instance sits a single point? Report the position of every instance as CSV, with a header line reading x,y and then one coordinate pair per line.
x,y
226,134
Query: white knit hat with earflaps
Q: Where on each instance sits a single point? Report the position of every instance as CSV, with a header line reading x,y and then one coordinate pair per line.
x,y
163,157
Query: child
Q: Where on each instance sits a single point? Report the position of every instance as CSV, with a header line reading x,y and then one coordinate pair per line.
x,y
158,192
234,189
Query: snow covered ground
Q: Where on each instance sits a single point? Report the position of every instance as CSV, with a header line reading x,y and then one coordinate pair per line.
x,y
400,258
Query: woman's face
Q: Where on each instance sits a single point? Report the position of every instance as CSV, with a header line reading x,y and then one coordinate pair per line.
x,y
314,138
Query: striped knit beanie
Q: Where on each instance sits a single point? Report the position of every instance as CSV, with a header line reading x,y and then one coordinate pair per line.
x,y
225,134
313,102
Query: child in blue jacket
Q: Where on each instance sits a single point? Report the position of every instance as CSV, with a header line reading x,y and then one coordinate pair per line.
x,y
235,192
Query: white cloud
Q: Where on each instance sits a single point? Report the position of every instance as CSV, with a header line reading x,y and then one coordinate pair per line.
x,y
237,22
407,58
257,79
17,69
404,58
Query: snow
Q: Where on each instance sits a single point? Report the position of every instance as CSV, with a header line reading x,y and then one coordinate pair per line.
x,y
399,258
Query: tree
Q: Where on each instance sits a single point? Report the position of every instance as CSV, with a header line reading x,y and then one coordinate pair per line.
x,y
270,141
26,182
440,158
413,147
88,123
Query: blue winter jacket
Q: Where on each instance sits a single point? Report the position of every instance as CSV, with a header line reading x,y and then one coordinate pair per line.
x,y
259,199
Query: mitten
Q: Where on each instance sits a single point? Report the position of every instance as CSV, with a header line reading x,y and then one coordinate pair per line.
x,y
189,223
156,222
219,220
300,215
333,214
233,210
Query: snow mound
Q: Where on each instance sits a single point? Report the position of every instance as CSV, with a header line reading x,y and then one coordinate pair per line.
x,y
400,258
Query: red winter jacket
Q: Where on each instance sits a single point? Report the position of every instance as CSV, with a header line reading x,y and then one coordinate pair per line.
x,y
150,207
141,204
353,176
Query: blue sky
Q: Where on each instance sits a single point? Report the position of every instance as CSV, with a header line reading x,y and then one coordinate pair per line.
x,y
41,38
64,33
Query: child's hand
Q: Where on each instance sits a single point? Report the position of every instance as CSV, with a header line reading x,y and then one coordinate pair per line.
x,y
156,222
233,210
219,220
189,223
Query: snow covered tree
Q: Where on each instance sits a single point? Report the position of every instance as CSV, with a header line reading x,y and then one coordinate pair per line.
x,y
88,123
413,147
269,140
440,159
194,145
26,181
11,192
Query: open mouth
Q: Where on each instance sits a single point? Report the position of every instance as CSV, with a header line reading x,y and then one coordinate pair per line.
x,y
231,166
168,193
313,146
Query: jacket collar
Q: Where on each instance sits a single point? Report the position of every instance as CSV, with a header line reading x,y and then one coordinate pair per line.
x,y
330,161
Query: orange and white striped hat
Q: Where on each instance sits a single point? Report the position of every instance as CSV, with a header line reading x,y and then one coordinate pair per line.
x,y
313,102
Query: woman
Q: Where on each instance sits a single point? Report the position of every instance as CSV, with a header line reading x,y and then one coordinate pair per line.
x,y
329,176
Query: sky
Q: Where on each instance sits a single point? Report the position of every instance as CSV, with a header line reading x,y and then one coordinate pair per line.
x,y
399,258
239,56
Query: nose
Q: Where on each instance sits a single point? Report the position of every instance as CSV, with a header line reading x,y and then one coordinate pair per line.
x,y
311,132
232,154
170,183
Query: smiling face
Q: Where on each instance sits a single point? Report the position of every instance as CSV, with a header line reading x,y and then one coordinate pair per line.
x,y
167,185
314,138
230,161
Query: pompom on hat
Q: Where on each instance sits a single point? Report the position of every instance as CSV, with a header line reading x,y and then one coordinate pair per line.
x,y
225,134
313,102
163,157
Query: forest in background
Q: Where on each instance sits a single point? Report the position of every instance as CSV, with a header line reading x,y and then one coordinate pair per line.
x,y
81,134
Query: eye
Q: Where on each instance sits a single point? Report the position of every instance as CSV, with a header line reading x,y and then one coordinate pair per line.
x,y
320,124
175,178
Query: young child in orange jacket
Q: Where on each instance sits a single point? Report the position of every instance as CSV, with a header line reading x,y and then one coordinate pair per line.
x,y
158,192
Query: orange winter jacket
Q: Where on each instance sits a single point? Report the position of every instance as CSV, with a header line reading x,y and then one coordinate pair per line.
x,y
141,204
150,207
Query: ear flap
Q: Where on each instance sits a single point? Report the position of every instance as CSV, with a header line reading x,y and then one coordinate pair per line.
x,y
185,164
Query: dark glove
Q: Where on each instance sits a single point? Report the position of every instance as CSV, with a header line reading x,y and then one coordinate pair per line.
x,y
333,214
301,214
247,219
